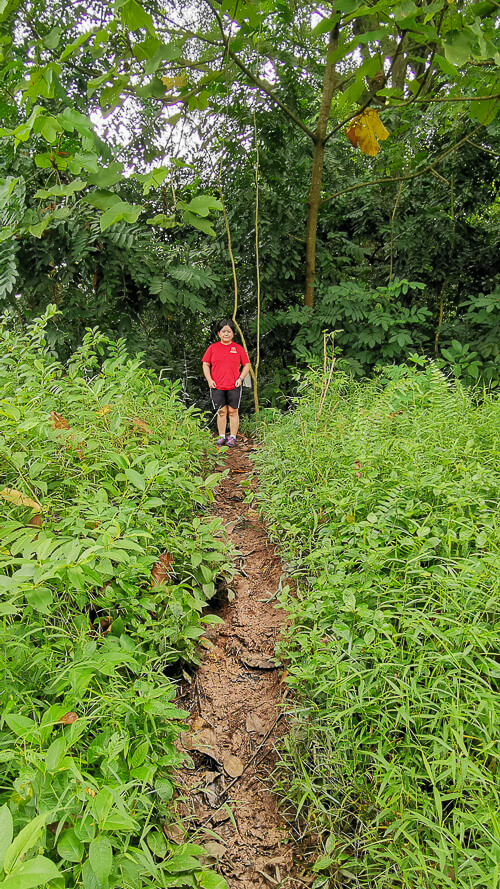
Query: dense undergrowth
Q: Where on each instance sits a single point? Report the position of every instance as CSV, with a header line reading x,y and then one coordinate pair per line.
x,y
384,497
106,563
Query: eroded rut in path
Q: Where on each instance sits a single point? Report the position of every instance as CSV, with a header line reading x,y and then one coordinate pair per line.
x,y
236,706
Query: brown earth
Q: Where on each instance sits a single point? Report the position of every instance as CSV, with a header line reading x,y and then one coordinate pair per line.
x,y
236,701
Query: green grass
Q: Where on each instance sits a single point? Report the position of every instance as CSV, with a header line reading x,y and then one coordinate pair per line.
x,y
88,641
385,499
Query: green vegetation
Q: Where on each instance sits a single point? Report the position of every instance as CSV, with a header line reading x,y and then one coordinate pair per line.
x,y
123,126
106,564
137,140
384,497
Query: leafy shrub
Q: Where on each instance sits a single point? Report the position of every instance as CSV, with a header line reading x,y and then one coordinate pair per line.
x,y
384,496
106,565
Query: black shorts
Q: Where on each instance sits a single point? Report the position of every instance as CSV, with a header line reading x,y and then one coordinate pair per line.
x,y
222,397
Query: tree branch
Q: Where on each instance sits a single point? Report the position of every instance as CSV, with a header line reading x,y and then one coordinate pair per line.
x,y
371,97
428,169
261,84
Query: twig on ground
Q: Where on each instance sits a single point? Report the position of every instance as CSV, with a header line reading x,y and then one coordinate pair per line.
x,y
249,763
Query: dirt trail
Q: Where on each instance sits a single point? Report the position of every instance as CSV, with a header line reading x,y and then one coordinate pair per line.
x,y
236,705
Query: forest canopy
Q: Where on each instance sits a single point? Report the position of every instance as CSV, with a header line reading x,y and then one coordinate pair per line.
x,y
349,150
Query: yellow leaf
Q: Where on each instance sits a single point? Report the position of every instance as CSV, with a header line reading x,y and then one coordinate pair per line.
x,y
365,131
178,81
20,499
103,410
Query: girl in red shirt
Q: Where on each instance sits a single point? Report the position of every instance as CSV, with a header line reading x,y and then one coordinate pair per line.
x,y
225,366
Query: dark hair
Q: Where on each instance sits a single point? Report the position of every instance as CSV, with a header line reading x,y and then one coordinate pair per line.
x,y
226,322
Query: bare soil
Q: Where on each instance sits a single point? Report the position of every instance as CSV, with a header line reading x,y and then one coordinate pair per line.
x,y
236,701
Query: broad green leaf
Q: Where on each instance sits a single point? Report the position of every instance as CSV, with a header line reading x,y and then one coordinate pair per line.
x,y
22,726
72,47
182,862
36,872
208,879
51,160
139,755
101,199
7,7
135,18
84,160
457,47
167,52
199,102
60,191
38,229
157,843
71,120
85,829
202,205
163,221
197,222
118,821
136,479
144,50
121,210
164,789
51,40
40,599
23,842
102,804
6,831
107,176
155,89
55,754
69,846
89,878
101,858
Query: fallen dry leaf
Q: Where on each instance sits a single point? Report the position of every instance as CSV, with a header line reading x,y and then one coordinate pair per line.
x,y
36,520
232,765
57,421
174,833
258,662
68,718
214,849
105,625
199,723
255,724
19,499
141,426
202,742
160,571
220,816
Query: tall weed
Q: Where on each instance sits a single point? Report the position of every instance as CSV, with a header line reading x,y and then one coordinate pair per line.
x,y
385,499
106,565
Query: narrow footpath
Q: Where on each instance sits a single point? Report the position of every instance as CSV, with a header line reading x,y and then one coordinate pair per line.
x,y
236,701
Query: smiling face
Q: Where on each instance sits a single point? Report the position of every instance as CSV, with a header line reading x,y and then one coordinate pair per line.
x,y
226,335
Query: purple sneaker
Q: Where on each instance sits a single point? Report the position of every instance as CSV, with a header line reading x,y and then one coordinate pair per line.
x,y
231,442
221,441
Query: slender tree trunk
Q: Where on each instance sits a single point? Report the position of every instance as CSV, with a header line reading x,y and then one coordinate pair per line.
x,y
329,84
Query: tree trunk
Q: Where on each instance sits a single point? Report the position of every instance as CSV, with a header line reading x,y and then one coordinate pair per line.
x,y
329,83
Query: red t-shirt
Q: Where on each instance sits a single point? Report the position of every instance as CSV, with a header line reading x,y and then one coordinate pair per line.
x,y
225,360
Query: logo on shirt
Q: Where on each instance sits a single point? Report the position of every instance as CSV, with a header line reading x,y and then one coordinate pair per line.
x,y
234,351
